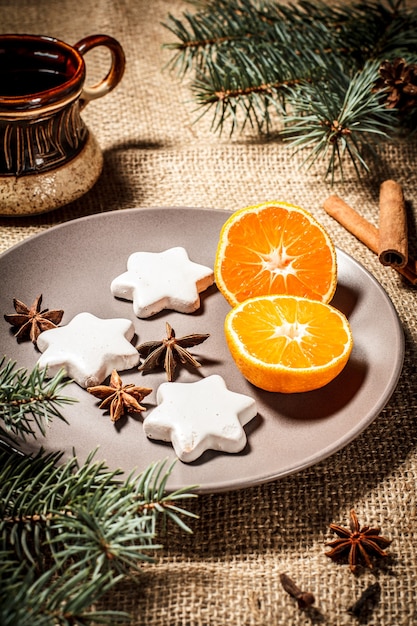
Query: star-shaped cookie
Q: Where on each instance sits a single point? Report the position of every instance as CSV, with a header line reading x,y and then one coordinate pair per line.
x,y
162,280
200,416
88,348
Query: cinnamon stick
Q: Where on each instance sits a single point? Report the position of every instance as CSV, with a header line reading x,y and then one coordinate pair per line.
x,y
393,243
364,231
355,223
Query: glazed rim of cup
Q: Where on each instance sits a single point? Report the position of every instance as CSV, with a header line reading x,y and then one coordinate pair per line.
x,y
60,52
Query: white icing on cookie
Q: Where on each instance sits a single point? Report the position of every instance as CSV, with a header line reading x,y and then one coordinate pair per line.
x,y
162,280
200,416
88,348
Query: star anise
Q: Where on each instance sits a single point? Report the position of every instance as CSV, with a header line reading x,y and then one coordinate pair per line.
x,y
120,398
32,321
399,80
169,352
359,544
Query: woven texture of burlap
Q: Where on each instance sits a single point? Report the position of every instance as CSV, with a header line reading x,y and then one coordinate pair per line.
x,y
227,571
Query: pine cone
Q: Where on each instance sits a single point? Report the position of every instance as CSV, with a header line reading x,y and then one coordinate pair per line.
x,y
399,80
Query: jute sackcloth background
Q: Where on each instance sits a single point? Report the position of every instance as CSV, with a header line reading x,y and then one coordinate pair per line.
x,y
227,571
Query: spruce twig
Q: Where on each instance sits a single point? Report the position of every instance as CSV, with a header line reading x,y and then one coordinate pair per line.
x,y
340,120
28,400
69,532
53,598
81,529
300,66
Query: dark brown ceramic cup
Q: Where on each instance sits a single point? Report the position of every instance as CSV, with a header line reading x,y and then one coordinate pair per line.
x,y
48,156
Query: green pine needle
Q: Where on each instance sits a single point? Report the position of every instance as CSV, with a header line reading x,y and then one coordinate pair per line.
x,y
262,64
29,400
81,529
69,532
53,598
345,117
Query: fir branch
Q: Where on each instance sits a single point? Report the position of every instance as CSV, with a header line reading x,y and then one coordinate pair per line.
x,y
86,515
255,60
103,534
346,116
29,401
79,529
360,31
69,532
240,90
153,497
53,598
215,27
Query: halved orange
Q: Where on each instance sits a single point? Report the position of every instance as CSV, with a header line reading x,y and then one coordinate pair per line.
x,y
275,248
288,343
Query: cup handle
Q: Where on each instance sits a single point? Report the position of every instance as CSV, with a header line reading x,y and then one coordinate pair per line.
x,y
115,72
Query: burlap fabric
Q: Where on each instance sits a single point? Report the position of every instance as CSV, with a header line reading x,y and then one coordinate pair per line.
x,y
227,571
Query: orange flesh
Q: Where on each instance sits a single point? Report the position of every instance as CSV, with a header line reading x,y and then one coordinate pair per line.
x,y
285,333
275,250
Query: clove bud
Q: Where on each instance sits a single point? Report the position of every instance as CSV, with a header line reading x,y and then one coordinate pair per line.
x,y
366,602
304,598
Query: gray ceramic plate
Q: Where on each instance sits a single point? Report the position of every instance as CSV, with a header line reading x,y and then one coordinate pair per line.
x,y
73,264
